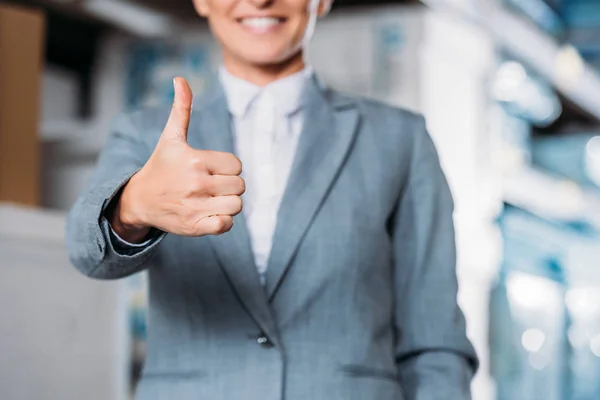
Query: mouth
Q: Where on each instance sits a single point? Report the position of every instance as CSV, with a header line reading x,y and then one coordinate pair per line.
x,y
261,24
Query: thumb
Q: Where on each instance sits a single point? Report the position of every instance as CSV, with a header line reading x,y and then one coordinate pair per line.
x,y
179,120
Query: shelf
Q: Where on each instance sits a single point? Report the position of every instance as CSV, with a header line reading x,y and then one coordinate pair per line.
x,y
552,197
561,65
63,130
31,223
71,140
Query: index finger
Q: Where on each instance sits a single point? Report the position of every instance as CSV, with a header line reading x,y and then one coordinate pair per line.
x,y
222,163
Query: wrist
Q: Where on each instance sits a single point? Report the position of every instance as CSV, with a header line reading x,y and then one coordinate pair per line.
x,y
125,218
127,210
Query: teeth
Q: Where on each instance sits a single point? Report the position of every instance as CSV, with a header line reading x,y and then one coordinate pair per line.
x,y
260,22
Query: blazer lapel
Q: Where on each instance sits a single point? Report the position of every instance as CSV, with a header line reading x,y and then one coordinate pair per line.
x,y
329,130
210,129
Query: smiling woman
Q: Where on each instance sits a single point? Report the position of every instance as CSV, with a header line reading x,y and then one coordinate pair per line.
x,y
299,242
262,33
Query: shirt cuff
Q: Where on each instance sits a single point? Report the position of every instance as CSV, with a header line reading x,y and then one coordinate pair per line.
x,y
118,240
124,247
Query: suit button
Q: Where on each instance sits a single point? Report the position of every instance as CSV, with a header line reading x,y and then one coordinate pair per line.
x,y
264,342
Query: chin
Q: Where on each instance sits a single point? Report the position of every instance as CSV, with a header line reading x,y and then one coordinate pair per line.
x,y
265,59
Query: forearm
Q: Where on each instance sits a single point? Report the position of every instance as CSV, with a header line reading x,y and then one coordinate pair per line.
x,y
90,239
90,244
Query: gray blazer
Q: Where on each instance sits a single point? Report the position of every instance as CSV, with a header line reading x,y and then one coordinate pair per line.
x,y
360,294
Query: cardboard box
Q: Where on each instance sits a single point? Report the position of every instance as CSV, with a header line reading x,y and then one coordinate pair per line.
x,y
22,42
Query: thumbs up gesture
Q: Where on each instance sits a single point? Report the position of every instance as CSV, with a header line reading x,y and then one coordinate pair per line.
x,y
180,190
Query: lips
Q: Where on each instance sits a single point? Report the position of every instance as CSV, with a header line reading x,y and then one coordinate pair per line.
x,y
261,24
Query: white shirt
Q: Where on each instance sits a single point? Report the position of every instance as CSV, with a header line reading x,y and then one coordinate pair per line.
x,y
266,123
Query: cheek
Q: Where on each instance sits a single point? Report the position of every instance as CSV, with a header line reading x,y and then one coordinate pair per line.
x,y
223,29
299,24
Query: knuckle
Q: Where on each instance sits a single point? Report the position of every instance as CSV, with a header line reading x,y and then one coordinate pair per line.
x,y
224,224
191,190
197,162
219,225
181,132
237,204
189,229
241,186
195,226
182,107
202,184
236,165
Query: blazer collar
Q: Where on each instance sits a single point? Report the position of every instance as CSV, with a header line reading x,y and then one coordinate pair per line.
x,y
328,133
210,129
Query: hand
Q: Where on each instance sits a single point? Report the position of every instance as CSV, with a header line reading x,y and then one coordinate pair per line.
x,y
181,190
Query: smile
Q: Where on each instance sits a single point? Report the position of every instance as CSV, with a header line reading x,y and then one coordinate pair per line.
x,y
261,24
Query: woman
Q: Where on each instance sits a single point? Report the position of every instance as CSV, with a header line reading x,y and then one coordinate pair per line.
x,y
337,279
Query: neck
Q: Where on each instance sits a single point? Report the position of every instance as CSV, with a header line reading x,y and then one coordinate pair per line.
x,y
262,75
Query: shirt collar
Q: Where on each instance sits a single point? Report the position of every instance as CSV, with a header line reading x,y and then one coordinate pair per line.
x,y
287,91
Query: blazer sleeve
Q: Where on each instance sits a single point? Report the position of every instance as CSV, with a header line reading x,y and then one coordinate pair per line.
x,y
434,357
93,247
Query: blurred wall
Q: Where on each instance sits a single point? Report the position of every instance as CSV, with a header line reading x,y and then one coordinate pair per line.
x,y
63,335
70,146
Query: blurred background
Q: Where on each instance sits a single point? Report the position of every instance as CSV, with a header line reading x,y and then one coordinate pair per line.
x,y
511,92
